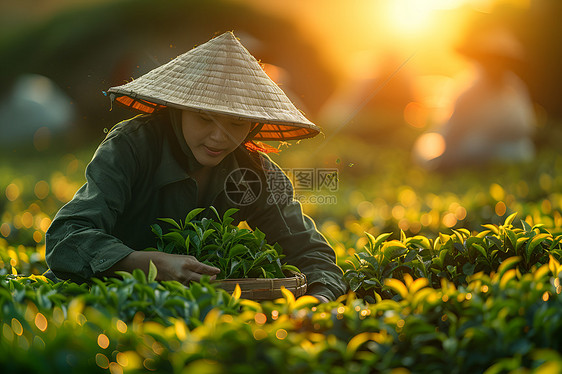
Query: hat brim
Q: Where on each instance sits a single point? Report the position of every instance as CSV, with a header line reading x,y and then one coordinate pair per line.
x,y
271,130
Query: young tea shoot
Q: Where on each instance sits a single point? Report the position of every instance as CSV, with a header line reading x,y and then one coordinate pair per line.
x,y
237,252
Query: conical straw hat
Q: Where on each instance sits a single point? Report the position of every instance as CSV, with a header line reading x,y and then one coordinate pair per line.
x,y
219,76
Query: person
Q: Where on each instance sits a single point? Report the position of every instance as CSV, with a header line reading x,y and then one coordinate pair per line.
x,y
196,145
493,119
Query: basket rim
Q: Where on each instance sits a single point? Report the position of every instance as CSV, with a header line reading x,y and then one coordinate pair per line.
x,y
293,277
265,288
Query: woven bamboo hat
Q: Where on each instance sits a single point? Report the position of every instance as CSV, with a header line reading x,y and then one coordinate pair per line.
x,y
219,76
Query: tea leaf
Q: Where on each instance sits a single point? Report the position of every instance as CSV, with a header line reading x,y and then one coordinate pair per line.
x,y
237,250
480,249
356,342
237,292
234,266
152,272
157,230
508,264
535,241
171,222
228,213
192,214
371,239
526,226
139,275
509,220
124,274
305,302
506,277
216,213
492,228
418,284
520,242
402,236
512,238
459,236
397,286
206,234
554,265
288,295
380,239
176,237
290,268
169,248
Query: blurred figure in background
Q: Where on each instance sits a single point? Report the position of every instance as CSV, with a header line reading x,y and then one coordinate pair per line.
x,y
34,110
493,119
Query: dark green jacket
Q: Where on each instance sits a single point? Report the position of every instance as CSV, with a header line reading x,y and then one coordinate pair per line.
x,y
140,173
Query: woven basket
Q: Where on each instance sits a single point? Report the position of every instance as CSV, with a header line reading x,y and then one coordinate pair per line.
x,y
265,288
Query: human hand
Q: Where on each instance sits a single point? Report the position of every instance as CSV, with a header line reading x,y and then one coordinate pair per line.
x,y
182,268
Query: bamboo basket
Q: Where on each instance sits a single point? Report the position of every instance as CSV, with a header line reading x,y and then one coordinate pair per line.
x,y
265,288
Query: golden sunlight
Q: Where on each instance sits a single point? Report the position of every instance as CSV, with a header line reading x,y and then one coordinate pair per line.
x,y
408,15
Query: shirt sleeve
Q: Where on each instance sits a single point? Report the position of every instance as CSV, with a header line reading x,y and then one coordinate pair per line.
x,y
281,218
79,243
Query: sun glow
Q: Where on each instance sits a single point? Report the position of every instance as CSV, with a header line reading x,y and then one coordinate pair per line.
x,y
408,16
414,16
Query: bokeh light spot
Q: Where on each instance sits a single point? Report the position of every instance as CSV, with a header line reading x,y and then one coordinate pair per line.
x,y
449,220
45,223
17,327
103,341
497,192
102,361
12,192
27,220
41,322
5,230
41,189
260,334
121,326
366,209
281,334
500,208
260,318
415,115
37,236
429,146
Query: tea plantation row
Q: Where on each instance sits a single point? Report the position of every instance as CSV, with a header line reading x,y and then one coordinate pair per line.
x,y
442,294
460,303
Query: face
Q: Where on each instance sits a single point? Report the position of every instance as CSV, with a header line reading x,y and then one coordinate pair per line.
x,y
211,137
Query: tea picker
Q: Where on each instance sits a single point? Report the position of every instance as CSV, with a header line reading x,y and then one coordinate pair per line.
x,y
195,144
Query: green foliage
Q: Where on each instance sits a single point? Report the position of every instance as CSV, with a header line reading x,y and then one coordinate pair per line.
x,y
452,257
463,288
237,252
21,260
505,322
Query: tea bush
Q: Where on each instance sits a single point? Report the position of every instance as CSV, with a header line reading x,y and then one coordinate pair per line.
x,y
237,252
453,257
506,322
462,286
